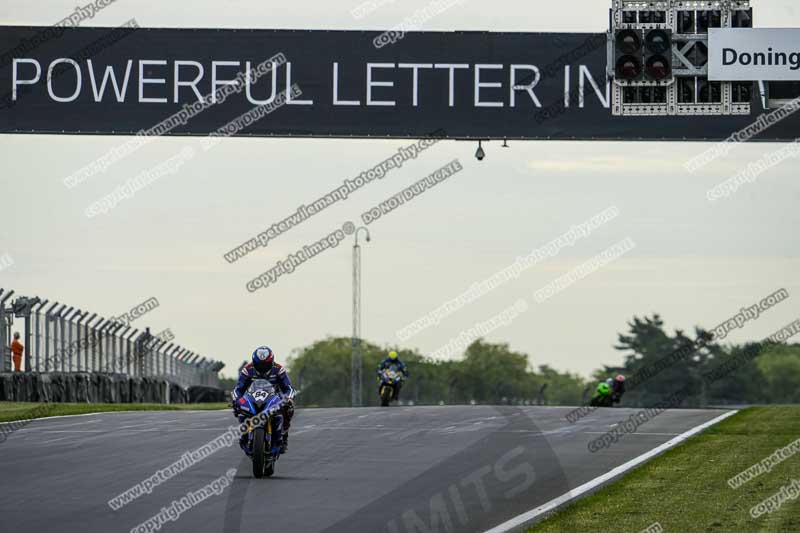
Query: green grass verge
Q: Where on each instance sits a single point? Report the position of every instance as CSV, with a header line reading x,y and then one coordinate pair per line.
x,y
10,411
686,489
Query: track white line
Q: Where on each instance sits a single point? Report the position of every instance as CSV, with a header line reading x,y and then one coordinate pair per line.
x,y
49,441
27,420
141,411
95,421
526,519
635,433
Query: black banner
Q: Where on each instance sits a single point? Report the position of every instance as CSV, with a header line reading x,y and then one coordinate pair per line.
x,y
132,80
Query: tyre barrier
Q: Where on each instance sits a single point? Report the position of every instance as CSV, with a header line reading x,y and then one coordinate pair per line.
x,y
99,388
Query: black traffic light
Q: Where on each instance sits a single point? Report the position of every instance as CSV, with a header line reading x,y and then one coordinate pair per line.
x,y
643,55
629,55
657,57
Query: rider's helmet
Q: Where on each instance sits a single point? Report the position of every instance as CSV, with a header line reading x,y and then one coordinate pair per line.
x,y
263,359
603,388
392,355
620,378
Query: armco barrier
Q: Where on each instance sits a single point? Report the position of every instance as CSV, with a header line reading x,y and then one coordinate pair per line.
x,y
201,394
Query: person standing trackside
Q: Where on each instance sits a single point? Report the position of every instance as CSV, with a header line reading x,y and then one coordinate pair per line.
x,y
16,349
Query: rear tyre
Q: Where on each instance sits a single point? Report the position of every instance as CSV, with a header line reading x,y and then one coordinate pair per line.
x,y
270,469
259,453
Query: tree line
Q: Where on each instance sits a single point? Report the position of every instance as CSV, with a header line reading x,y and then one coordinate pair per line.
x,y
493,373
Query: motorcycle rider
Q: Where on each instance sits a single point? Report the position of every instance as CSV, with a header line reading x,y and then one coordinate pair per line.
x,y
617,386
609,392
263,366
395,363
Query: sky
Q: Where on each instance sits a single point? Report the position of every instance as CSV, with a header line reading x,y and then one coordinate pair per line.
x,y
694,262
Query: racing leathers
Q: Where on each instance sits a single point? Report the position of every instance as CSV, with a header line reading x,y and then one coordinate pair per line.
x,y
617,390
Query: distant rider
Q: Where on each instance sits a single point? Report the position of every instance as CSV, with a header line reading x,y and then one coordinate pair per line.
x,y
263,366
617,386
393,362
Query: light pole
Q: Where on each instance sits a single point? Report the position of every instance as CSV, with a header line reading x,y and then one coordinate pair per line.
x,y
355,373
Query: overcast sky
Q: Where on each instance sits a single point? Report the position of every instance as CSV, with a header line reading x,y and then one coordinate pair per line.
x,y
694,263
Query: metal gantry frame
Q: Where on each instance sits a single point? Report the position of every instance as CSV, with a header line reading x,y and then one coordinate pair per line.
x,y
63,338
682,66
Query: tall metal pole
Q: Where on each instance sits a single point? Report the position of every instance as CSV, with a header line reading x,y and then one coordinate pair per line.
x,y
357,360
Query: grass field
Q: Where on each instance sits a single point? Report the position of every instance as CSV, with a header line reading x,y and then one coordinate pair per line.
x,y
10,411
686,489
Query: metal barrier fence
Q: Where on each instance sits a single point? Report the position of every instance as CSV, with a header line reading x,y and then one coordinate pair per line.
x,y
61,338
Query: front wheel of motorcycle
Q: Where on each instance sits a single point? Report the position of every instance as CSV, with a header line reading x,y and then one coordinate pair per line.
x,y
386,396
259,453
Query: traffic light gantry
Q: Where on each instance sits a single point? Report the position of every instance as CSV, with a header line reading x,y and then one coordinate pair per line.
x,y
658,58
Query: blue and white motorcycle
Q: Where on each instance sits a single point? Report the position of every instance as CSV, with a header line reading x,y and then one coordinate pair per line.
x,y
390,380
260,408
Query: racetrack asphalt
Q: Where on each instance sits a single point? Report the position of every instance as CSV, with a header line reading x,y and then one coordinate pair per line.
x,y
393,470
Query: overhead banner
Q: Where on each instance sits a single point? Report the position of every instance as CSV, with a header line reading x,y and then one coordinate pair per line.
x,y
742,54
463,85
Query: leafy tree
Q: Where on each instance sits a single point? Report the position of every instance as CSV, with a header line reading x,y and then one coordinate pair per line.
x,y
779,365
657,364
744,383
754,373
487,373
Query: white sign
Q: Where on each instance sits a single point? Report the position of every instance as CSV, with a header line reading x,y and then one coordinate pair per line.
x,y
746,54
